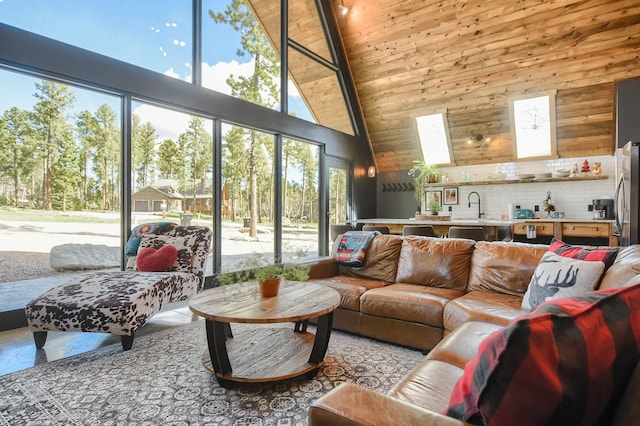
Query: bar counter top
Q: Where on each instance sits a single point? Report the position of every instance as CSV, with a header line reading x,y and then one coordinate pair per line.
x,y
596,231
472,222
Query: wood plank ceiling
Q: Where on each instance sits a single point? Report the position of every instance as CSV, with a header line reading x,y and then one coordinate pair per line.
x,y
410,57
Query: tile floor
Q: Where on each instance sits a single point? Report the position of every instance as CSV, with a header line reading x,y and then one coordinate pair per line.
x,y
18,352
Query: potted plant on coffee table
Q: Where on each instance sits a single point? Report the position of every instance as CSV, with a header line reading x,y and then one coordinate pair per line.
x,y
259,267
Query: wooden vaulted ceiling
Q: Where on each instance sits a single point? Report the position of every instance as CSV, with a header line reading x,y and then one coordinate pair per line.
x,y
470,57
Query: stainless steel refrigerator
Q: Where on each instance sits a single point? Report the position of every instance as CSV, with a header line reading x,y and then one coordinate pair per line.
x,y
627,199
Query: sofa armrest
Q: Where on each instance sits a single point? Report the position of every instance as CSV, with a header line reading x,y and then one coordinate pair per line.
x,y
351,404
325,267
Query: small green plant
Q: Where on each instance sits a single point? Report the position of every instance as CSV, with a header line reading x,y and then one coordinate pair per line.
x,y
259,267
434,206
422,173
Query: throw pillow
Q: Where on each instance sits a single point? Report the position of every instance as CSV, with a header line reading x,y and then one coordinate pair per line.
x,y
184,245
152,260
556,277
131,248
602,254
566,363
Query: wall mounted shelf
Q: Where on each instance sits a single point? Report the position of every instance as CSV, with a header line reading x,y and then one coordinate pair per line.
x,y
509,181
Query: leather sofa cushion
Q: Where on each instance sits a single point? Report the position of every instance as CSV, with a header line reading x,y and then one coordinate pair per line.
x,y
495,308
460,347
428,385
350,289
504,267
435,262
381,261
624,268
408,302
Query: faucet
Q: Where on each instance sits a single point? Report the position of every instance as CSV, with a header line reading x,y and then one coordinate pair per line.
x,y
477,202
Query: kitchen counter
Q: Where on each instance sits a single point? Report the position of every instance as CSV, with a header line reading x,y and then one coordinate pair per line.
x,y
472,222
598,230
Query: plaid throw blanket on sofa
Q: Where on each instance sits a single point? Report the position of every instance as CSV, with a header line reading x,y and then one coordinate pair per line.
x,y
352,247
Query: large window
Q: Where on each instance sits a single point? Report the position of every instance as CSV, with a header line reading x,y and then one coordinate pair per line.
x,y
172,167
60,168
300,200
155,35
248,208
192,149
238,58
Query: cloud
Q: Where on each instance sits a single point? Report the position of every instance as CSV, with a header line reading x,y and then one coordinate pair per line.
x,y
168,123
215,77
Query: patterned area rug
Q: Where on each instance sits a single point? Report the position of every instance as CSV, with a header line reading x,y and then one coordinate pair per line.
x,y
162,381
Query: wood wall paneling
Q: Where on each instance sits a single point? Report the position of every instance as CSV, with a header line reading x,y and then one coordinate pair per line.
x,y
473,57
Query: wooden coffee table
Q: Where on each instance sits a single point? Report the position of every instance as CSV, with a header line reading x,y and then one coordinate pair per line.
x,y
264,353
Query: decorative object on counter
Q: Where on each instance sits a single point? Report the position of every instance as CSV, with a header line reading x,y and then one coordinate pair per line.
x,y
597,168
451,195
522,213
574,171
585,166
557,215
422,173
563,172
526,176
544,175
547,206
433,201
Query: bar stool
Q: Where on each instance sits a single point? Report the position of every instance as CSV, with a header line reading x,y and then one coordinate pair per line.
x,y
472,233
423,230
381,229
336,230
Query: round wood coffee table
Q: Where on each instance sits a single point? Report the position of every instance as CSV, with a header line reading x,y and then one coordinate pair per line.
x,y
264,353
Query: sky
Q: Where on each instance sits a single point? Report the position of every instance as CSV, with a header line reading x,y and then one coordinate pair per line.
x,y
153,34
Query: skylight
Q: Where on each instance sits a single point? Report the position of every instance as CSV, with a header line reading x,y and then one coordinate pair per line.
x,y
531,120
434,138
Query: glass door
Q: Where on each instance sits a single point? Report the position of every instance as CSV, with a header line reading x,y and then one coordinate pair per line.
x,y
339,193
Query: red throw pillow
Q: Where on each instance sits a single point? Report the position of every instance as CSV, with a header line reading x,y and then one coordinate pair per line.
x,y
566,363
603,254
152,260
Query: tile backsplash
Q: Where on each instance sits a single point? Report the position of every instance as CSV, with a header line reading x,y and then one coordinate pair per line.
x,y
570,197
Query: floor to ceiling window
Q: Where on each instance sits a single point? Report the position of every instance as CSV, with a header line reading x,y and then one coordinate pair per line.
x,y
172,167
248,204
300,199
60,170
207,136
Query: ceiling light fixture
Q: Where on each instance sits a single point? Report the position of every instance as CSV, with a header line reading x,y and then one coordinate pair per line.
x,y
478,138
342,8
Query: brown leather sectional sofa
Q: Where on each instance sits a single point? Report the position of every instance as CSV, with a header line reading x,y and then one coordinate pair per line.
x,y
442,295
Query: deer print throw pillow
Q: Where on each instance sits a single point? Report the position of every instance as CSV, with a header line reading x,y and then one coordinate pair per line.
x,y
557,277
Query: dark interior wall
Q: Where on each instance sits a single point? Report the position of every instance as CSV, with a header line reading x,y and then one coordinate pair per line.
x,y
364,190
394,197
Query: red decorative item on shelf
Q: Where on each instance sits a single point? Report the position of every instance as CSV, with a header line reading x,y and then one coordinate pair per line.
x,y
585,166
